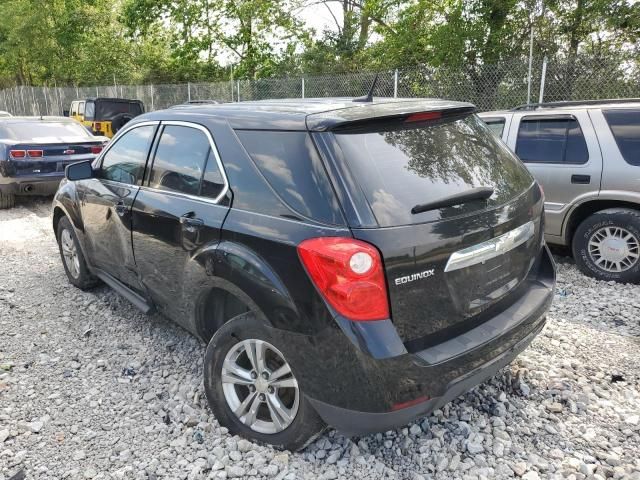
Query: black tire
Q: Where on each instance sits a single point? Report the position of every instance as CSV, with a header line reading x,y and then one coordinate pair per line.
x,y
612,218
7,200
120,121
83,279
306,425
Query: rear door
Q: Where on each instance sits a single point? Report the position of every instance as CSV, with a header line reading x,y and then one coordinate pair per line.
x,y
561,151
178,211
396,167
106,202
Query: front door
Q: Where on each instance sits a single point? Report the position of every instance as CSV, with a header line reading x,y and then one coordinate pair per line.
x,y
562,153
106,202
178,213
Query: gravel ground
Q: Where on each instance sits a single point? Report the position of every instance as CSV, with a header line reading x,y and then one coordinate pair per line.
x,y
91,388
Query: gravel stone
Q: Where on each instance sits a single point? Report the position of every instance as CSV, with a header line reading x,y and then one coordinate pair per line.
x,y
126,400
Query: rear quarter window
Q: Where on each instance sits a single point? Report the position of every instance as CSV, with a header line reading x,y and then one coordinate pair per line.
x,y
625,126
290,163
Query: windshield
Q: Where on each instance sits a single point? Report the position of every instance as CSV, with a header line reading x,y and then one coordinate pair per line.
x,y
44,132
106,110
411,165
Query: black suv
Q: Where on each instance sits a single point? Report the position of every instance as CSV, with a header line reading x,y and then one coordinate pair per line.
x,y
356,264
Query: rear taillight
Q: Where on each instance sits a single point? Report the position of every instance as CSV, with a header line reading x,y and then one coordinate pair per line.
x,y
96,150
34,153
349,274
97,126
17,153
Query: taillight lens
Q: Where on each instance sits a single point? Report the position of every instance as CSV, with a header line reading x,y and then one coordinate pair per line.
x,y
423,116
34,153
18,153
97,126
96,150
349,275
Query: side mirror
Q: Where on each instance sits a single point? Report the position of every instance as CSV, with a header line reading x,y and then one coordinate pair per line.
x,y
65,113
79,171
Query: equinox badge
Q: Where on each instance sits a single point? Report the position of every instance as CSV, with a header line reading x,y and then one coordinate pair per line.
x,y
415,276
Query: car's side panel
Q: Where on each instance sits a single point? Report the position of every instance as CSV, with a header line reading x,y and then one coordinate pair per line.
x,y
561,191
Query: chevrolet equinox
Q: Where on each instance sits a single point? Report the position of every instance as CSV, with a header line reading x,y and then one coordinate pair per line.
x,y
349,263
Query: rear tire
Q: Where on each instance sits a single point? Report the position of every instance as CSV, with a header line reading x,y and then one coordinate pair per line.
x,y
7,200
606,245
260,405
73,260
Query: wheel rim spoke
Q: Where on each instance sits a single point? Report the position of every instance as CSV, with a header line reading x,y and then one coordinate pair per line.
x,y
614,249
259,386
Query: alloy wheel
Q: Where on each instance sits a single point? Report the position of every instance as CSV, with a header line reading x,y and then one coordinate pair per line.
x,y
70,253
259,386
614,249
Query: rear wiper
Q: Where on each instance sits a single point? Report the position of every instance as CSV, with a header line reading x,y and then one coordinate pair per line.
x,y
479,193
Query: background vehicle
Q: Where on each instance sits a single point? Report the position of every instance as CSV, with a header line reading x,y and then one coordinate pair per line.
x,y
586,155
337,256
4,114
105,116
34,152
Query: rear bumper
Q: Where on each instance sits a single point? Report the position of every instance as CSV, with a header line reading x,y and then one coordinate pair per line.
x,y
352,422
375,395
31,184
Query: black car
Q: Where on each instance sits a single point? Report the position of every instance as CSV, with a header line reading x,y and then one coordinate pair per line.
x,y
34,152
356,264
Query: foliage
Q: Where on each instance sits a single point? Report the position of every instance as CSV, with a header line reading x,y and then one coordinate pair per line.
x,y
88,42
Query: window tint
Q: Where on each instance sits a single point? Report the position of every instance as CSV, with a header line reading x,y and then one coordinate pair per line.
x,y
125,161
496,125
212,181
399,168
625,126
551,140
290,163
180,160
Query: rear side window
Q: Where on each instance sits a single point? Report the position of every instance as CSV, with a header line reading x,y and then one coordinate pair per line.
x,y
125,161
180,160
625,126
551,140
409,165
495,124
291,165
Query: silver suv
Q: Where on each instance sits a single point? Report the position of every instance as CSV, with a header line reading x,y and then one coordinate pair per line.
x,y
586,156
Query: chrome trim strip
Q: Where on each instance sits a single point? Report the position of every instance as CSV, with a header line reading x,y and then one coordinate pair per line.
x,y
495,247
214,149
173,193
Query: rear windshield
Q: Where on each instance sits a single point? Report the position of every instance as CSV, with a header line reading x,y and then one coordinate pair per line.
x,y
44,132
105,110
401,168
625,126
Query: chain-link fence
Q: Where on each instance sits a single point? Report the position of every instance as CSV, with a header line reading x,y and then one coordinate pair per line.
x,y
489,87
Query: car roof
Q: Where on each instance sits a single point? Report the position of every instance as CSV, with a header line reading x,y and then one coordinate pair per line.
x,y
301,114
110,99
568,105
24,119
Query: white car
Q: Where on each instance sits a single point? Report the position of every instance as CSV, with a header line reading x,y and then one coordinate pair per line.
x,y
5,114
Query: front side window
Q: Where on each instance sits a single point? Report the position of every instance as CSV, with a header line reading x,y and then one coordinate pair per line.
x,y
81,108
89,110
625,126
180,160
74,108
125,161
551,140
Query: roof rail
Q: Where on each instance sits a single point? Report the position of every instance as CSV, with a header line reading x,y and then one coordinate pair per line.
x,y
574,103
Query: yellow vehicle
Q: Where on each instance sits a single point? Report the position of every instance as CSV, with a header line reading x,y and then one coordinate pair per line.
x,y
105,116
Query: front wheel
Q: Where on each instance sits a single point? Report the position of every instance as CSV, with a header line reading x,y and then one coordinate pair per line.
x,y
74,263
252,389
606,245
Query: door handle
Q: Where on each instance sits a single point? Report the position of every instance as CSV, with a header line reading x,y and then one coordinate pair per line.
x,y
191,223
581,179
121,208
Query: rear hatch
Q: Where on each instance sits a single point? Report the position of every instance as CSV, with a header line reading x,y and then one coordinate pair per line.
x,y
454,265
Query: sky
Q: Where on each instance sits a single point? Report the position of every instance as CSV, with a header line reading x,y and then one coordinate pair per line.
x,y
317,16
